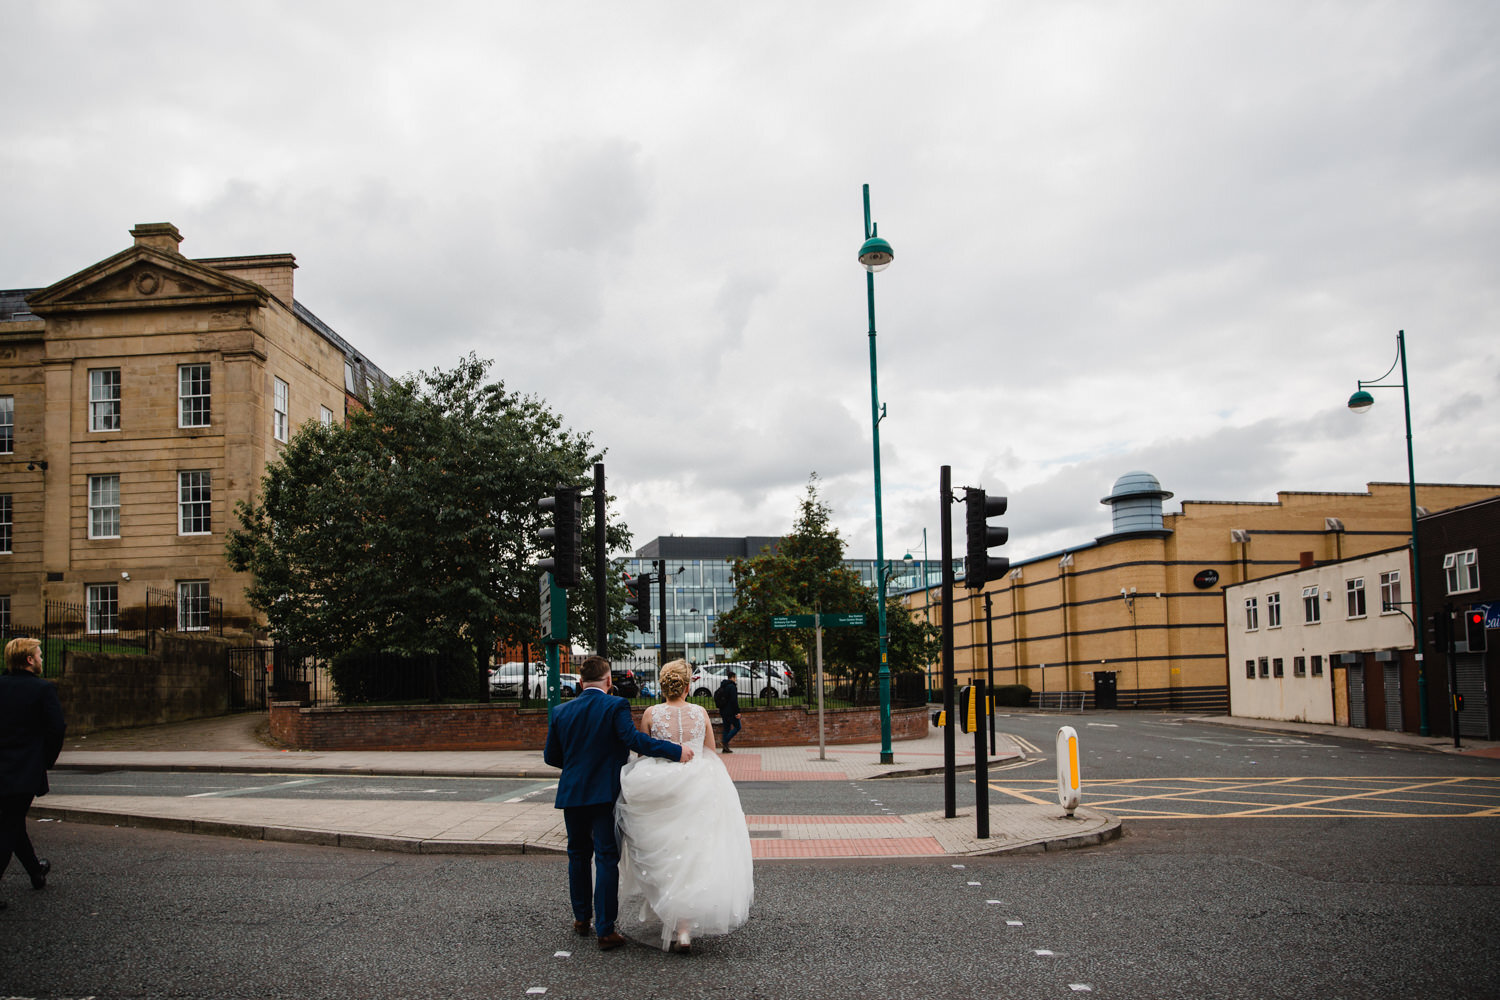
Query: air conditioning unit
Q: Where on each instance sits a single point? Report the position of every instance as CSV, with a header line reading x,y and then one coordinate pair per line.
x,y
1332,524
1239,535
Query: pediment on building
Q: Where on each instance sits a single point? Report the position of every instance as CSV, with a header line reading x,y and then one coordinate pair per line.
x,y
145,278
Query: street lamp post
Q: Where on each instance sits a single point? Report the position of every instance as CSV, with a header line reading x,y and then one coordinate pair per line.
x,y
1359,403
876,255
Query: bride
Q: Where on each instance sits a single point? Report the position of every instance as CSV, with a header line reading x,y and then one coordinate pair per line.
x,y
684,846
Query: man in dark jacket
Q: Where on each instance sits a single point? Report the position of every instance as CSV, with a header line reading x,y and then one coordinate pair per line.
x,y
31,737
727,699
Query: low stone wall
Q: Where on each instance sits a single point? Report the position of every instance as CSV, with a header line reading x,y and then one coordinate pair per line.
x,y
181,679
508,727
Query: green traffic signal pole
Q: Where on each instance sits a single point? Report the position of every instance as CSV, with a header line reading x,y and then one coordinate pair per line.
x,y
1359,403
876,254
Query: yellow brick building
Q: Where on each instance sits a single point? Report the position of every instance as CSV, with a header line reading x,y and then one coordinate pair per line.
x,y
140,399
1142,609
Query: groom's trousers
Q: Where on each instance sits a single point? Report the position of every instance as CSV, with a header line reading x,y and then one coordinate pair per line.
x,y
591,837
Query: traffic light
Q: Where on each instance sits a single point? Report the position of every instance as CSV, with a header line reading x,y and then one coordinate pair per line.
x,y
980,567
1439,630
565,535
638,595
1474,623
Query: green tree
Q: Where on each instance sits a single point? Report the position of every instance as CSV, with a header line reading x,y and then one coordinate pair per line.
x,y
413,527
806,574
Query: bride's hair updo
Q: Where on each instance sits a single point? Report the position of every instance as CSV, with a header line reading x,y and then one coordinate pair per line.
x,y
675,678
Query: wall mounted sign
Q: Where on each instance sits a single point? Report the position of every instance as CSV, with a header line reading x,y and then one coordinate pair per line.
x,y
1206,578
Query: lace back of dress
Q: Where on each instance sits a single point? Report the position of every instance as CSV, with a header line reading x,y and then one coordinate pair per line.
x,y
682,724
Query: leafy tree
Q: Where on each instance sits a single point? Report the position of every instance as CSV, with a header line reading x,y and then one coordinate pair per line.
x,y
413,527
806,574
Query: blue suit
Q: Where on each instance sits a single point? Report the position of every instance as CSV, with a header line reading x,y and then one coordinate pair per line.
x,y
590,738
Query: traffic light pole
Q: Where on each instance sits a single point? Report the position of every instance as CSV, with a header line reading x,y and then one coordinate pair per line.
x,y
661,612
601,594
989,651
950,752
1452,657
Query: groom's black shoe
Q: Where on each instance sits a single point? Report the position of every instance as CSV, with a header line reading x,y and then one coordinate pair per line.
x,y
583,928
611,941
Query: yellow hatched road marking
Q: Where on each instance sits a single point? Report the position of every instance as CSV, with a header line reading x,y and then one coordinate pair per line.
x,y
1360,797
1346,798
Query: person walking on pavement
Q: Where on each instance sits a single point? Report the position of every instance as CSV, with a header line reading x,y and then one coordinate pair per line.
x,y
727,698
589,738
31,737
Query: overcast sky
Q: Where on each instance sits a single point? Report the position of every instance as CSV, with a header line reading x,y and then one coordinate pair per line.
x,y
1160,236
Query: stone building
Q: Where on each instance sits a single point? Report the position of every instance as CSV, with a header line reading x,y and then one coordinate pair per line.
x,y
1136,617
140,400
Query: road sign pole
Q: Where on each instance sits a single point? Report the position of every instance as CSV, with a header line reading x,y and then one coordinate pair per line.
x,y
818,631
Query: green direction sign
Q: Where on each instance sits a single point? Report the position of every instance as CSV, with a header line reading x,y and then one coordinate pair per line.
x,y
808,621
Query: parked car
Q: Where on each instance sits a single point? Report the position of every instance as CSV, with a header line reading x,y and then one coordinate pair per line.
x,y
755,680
706,681
505,680
625,683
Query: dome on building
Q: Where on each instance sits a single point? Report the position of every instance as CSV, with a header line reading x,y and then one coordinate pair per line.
x,y
1135,503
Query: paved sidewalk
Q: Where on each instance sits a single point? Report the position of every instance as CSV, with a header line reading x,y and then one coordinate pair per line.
x,y
233,745
1438,744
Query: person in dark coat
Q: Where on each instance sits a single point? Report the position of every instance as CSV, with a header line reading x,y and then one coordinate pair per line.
x,y
31,737
727,699
590,738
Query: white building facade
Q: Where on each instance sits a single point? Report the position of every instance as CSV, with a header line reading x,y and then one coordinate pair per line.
x,y
1323,644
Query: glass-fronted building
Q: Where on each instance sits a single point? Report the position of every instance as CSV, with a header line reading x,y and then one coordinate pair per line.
x,y
700,588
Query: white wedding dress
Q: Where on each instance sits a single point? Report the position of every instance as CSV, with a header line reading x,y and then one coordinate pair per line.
x,y
684,846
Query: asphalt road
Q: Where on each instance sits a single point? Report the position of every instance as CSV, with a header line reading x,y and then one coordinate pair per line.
x,y
1218,889
1277,908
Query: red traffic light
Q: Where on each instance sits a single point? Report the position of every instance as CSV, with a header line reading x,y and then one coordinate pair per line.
x,y
1476,618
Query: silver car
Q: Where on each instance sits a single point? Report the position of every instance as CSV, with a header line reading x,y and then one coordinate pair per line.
x,y
505,680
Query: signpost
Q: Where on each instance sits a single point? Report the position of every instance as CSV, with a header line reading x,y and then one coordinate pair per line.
x,y
819,622
554,620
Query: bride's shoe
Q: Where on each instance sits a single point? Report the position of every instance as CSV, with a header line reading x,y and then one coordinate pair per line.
x,y
683,945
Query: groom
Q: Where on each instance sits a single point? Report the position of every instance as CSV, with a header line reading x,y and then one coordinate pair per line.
x,y
589,738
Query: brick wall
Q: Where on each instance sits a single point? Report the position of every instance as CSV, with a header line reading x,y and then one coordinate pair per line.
x,y
507,727
184,679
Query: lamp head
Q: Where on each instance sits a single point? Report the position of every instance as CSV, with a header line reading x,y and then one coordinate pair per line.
x,y
908,560
1361,401
876,254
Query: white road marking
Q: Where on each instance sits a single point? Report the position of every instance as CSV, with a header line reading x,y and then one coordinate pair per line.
x,y
525,794
1013,923
1080,987
1043,951
562,954
259,788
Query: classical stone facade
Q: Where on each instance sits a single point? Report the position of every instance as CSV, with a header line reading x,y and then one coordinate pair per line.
x,y
1139,613
146,394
